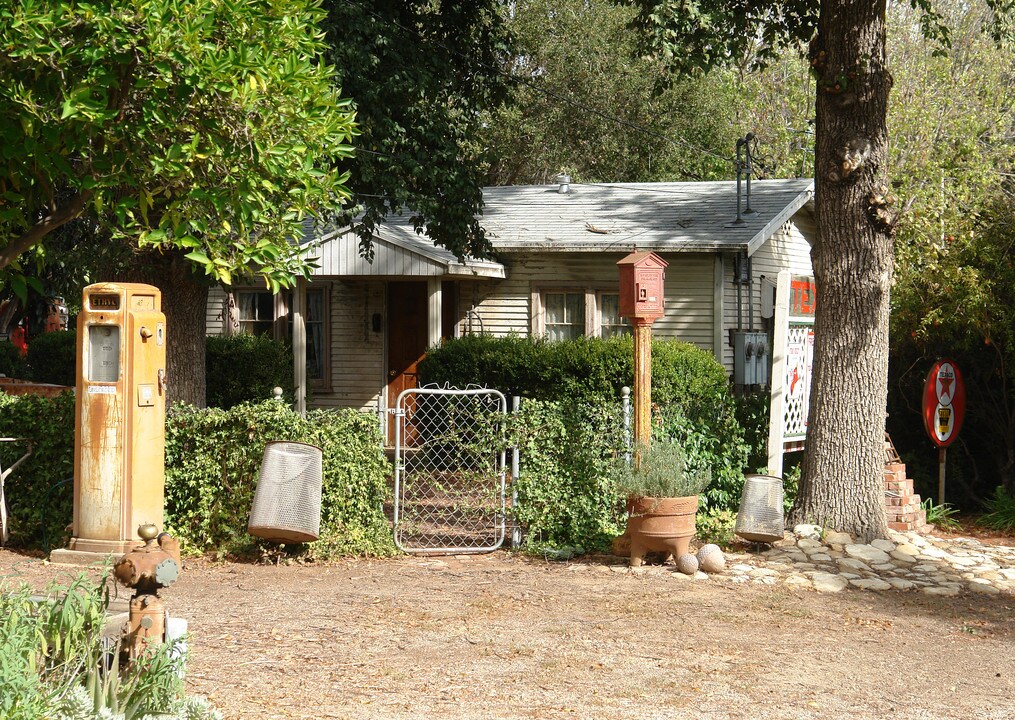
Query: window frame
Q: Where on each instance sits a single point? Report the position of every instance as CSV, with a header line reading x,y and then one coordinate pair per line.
x,y
625,324
593,293
281,321
323,382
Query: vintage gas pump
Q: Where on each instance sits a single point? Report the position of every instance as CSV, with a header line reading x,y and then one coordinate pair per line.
x,y
119,439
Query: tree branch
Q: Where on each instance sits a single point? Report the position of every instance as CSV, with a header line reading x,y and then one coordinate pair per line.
x,y
72,209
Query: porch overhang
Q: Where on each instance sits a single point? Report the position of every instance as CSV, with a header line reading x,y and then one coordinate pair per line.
x,y
398,252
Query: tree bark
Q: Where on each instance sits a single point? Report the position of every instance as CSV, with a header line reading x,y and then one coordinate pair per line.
x,y
184,302
842,484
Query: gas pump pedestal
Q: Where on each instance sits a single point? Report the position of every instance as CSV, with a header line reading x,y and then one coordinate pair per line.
x,y
119,438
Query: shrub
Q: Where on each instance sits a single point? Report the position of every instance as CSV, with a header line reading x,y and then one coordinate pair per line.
x,y
1000,513
691,388
246,368
584,368
212,460
40,503
11,362
752,415
52,358
567,494
716,526
712,442
58,664
661,471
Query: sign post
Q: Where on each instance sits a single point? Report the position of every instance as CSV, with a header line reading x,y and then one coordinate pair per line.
x,y
944,406
642,279
792,358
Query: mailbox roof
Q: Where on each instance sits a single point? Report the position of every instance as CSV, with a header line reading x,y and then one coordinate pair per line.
x,y
645,258
624,217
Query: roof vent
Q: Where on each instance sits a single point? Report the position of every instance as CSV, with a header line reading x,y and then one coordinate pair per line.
x,y
563,184
745,167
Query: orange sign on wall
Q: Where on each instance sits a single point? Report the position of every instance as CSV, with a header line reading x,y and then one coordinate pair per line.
x,y
802,297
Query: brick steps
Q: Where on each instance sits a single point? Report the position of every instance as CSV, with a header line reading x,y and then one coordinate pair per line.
x,y
902,504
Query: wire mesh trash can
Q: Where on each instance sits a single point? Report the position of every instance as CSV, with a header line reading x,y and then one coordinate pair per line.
x,y
287,502
760,517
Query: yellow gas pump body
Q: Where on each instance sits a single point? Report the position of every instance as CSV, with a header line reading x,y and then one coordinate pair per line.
x,y
119,439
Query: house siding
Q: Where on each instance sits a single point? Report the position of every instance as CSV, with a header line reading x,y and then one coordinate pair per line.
x,y
506,306
787,249
215,312
342,257
357,352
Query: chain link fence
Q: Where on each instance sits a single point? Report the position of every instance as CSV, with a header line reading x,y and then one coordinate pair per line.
x,y
450,479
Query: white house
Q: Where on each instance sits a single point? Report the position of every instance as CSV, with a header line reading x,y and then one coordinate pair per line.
x,y
556,246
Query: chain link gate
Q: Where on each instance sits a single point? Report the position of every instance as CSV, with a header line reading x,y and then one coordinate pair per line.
x,y
449,470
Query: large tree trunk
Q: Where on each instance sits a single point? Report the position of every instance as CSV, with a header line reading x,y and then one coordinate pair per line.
x,y
184,302
842,485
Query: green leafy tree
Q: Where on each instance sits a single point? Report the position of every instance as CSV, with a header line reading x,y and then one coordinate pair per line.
x,y
208,126
953,120
960,306
583,102
841,486
422,73
204,131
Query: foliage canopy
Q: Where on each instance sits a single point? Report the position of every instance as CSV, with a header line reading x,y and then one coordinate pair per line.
x,y
210,126
421,74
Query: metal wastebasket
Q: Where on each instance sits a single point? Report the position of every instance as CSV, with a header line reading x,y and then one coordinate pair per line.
x,y
287,502
760,517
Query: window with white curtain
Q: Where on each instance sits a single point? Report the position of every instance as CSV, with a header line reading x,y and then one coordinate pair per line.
x,y
259,313
255,311
566,313
610,322
316,329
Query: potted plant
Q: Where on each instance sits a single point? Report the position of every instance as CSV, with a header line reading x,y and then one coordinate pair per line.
x,y
662,498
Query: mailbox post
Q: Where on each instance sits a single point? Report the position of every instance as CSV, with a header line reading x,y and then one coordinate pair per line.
x,y
642,276
119,438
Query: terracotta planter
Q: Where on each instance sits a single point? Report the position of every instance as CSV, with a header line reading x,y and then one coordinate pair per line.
x,y
660,525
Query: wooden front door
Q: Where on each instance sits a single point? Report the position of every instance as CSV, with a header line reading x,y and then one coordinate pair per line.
x,y
407,339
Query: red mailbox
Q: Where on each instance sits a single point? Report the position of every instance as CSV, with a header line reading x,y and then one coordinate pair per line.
x,y
641,286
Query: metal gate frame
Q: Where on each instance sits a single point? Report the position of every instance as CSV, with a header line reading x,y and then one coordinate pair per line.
x,y
402,417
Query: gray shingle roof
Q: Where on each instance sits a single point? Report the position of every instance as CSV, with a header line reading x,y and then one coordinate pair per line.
x,y
671,217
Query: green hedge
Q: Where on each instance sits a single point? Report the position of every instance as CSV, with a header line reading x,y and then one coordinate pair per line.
x,y
39,506
246,368
11,362
212,460
567,489
583,368
531,367
567,494
52,358
690,390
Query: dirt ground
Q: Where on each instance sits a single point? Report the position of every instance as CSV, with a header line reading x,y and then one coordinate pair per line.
x,y
508,636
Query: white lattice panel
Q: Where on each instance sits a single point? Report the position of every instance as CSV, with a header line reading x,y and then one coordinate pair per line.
x,y
799,360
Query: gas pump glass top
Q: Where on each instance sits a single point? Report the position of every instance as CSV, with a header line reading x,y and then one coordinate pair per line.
x,y
103,353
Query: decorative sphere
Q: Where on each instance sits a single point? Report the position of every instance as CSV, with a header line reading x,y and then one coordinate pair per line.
x,y
687,564
711,559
